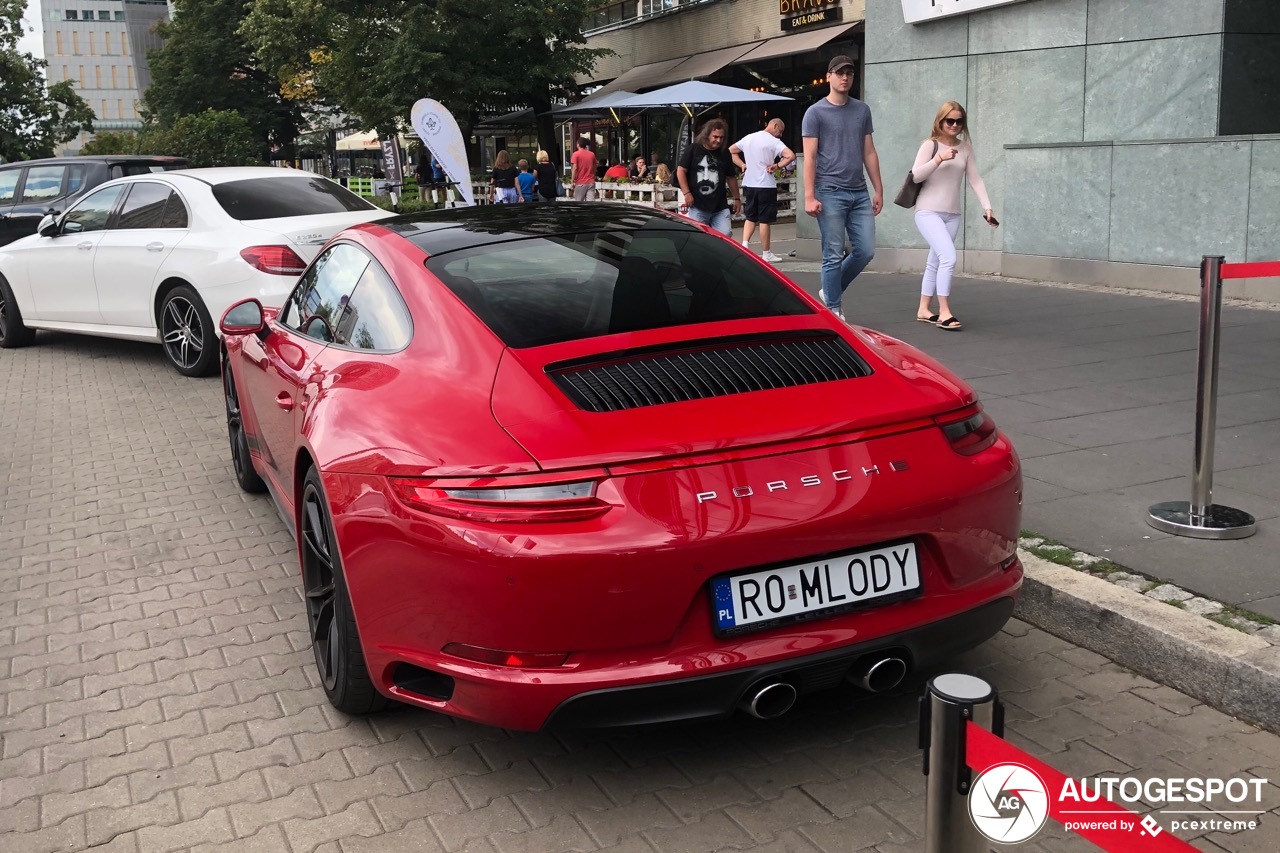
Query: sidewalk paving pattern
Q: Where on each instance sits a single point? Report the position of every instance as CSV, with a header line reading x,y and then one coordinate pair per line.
x,y
159,692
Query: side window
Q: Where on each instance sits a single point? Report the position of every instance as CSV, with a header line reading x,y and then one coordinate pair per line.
x,y
75,179
316,304
43,183
9,185
175,212
92,212
144,207
374,317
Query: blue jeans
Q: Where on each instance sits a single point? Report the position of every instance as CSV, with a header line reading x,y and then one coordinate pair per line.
x,y
844,212
721,220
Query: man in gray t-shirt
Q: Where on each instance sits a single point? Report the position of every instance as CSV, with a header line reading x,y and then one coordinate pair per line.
x,y
838,149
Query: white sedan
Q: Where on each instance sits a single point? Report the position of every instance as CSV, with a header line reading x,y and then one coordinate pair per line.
x,y
158,257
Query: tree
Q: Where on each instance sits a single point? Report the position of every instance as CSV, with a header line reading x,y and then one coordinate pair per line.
x,y
33,119
374,58
211,138
205,65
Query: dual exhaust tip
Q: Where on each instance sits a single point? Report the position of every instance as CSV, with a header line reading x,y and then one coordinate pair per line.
x,y
769,700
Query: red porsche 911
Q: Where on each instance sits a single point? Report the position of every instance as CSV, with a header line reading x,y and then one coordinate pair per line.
x,y
591,465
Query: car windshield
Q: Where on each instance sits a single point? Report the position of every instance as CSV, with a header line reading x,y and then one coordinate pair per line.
x,y
545,290
272,198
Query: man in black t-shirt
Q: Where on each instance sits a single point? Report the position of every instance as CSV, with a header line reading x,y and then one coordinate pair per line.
x,y
707,178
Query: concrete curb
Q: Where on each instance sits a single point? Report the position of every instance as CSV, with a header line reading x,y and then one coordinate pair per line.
x,y
1234,672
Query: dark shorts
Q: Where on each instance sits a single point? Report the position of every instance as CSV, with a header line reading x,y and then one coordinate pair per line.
x,y
760,204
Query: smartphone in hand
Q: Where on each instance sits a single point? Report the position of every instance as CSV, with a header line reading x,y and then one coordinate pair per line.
x,y
992,221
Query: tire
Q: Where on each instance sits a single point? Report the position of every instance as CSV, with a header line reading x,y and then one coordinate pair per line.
x,y
334,637
241,460
13,333
187,333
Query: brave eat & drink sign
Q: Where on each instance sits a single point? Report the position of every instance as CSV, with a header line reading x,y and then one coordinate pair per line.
x,y
919,11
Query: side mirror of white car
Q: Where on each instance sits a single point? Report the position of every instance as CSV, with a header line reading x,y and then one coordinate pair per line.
x,y
48,226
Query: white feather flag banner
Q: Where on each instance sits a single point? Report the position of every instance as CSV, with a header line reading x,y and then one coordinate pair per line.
x,y
439,131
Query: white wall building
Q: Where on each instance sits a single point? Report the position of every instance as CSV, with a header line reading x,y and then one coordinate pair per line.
x,y
102,46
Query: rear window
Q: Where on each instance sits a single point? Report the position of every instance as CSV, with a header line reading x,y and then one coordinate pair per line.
x,y
271,198
552,289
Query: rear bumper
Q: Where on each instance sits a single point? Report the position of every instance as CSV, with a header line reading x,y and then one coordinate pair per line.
x,y
717,695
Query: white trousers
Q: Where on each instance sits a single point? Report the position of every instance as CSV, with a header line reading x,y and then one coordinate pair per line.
x,y
939,231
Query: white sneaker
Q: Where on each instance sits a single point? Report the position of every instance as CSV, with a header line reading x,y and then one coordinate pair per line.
x,y
839,313
746,245
770,257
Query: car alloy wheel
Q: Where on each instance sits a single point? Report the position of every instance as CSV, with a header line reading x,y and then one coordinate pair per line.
x,y
13,333
186,331
334,638
241,461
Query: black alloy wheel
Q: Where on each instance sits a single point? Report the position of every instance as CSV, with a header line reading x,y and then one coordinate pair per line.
x,y
334,638
241,461
187,333
13,333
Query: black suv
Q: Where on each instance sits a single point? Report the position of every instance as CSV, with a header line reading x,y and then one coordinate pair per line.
x,y
31,188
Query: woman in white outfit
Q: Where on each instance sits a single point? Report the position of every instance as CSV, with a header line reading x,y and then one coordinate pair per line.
x,y
943,163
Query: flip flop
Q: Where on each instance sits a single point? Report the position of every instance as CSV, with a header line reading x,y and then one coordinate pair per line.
x,y
951,324
932,318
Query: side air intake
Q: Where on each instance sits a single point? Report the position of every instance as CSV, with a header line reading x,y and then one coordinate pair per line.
x,y
707,369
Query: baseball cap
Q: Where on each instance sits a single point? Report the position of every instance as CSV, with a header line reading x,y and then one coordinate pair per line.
x,y
840,62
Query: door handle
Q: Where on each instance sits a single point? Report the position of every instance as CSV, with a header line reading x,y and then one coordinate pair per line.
x,y
284,401
155,247
85,246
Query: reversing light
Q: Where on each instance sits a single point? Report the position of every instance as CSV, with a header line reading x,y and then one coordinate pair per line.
x,y
497,657
510,500
274,260
969,431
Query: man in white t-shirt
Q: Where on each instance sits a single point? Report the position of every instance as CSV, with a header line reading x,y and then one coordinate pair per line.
x,y
757,155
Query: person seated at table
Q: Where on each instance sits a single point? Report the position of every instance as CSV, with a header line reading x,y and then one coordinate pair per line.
x,y
640,172
617,171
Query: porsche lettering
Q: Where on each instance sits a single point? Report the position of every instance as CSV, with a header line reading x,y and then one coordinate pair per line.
x,y
806,482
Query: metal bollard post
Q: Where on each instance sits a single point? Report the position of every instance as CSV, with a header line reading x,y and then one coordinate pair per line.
x,y
1200,518
949,701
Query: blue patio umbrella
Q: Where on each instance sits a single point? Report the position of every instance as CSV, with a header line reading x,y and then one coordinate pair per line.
x,y
694,92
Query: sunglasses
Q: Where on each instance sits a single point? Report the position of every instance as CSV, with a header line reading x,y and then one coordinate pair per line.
x,y
958,122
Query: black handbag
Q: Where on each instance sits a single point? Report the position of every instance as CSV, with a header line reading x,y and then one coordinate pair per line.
x,y
910,191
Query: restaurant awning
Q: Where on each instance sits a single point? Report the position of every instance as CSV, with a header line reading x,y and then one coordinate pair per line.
x,y
707,63
650,74
801,42
798,42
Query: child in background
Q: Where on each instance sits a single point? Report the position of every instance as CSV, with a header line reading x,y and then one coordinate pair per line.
x,y
525,182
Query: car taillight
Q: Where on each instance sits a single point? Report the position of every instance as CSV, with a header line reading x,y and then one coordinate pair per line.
x,y
274,260
970,430
532,499
497,657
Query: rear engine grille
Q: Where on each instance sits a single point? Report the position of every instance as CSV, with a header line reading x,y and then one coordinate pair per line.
x,y
707,369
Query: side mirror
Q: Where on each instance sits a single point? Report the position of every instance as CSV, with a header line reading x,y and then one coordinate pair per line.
x,y
48,226
243,318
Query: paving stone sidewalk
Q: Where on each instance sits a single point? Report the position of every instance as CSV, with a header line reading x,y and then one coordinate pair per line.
x,y
158,690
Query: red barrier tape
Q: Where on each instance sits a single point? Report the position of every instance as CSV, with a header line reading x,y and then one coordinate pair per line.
x,y
1264,269
1126,833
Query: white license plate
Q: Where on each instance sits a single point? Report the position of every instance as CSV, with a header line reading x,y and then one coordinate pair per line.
x,y
803,590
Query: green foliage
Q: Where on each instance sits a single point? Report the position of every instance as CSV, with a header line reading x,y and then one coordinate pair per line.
x,y
33,119
110,142
211,138
205,65
408,204
375,58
